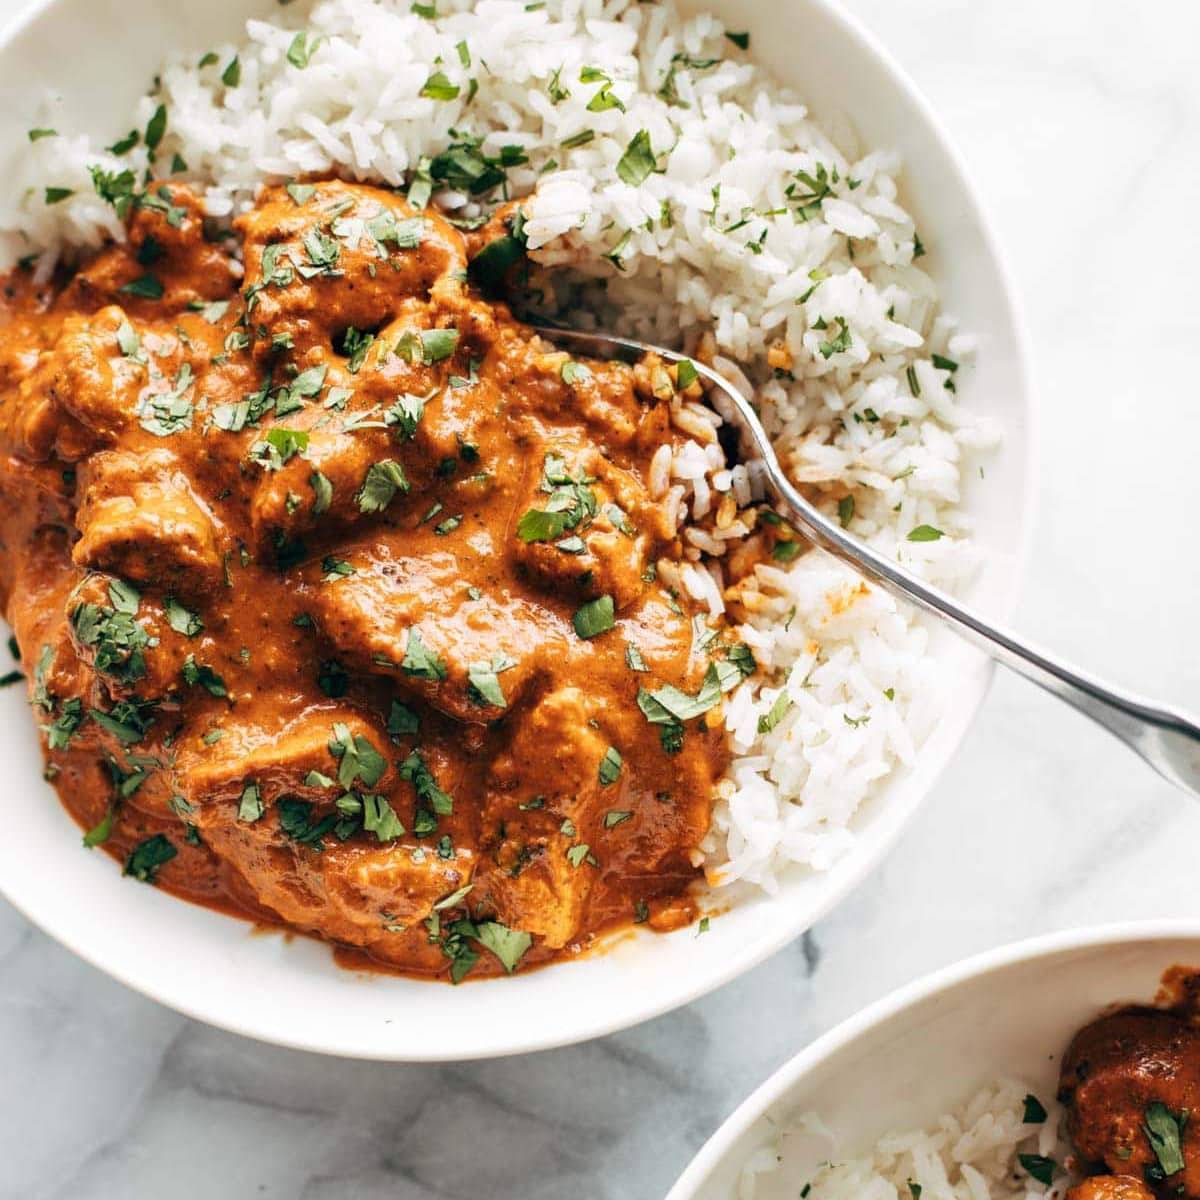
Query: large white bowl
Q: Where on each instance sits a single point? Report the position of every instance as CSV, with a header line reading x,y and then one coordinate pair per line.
x,y
925,1049
100,54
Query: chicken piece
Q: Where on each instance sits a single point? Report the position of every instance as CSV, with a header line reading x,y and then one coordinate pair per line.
x,y
345,258
167,266
1110,1187
317,488
125,639
542,849
288,753
545,383
82,393
360,893
415,620
578,528
140,518
269,800
1126,1080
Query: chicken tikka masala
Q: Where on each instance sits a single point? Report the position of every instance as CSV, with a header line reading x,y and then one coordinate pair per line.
x,y
1131,1085
335,586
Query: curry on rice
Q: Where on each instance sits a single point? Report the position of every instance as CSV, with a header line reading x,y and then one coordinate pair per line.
x,y
336,587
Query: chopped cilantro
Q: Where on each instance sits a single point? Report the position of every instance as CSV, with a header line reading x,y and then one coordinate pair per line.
x,y
483,681
251,807
419,661
637,164
147,856
925,533
383,481
358,759
1038,1166
610,767
439,87
303,46
594,618
508,945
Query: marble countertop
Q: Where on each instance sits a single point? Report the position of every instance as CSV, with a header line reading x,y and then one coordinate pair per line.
x,y
1075,121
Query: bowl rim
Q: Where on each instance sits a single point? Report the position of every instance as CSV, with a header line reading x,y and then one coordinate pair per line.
x,y
737,963
784,1079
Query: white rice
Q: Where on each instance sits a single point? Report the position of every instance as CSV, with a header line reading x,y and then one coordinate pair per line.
x,y
969,1154
712,257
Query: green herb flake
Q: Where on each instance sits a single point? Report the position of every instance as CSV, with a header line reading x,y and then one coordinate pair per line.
x,y
484,683
925,533
357,757
637,164
1035,1112
839,344
439,87
232,75
198,673
508,945
686,374
303,46
155,128
633,658
845,511
322,492
147,856
145,287
380,819
383,481
437,344
610,768
776,714
574,372
334,568
402,721
413,770
741,40
594,618
419,661
1038,1166
1164,1131
251,806
301,193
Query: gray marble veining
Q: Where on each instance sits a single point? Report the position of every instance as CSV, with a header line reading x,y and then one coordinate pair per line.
x,y
1075,121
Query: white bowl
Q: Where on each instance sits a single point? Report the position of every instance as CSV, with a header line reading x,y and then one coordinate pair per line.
x,y
100,54
925,1049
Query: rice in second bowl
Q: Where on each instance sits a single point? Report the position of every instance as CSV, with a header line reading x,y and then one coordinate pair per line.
x,y
1002,1144
677,193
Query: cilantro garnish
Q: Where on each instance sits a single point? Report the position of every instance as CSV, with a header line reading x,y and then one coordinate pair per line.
x,y
484,683
594,618
147,856
383,481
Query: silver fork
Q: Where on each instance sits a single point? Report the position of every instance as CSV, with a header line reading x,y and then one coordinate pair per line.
x,y
1166,738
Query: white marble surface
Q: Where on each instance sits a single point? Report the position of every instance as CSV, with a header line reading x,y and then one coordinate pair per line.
x,y
1077,118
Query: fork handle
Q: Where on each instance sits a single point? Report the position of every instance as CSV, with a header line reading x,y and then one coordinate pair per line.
x,y
1166,738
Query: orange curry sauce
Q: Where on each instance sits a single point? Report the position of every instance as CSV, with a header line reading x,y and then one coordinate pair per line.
x,y
1130,1082
335,588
